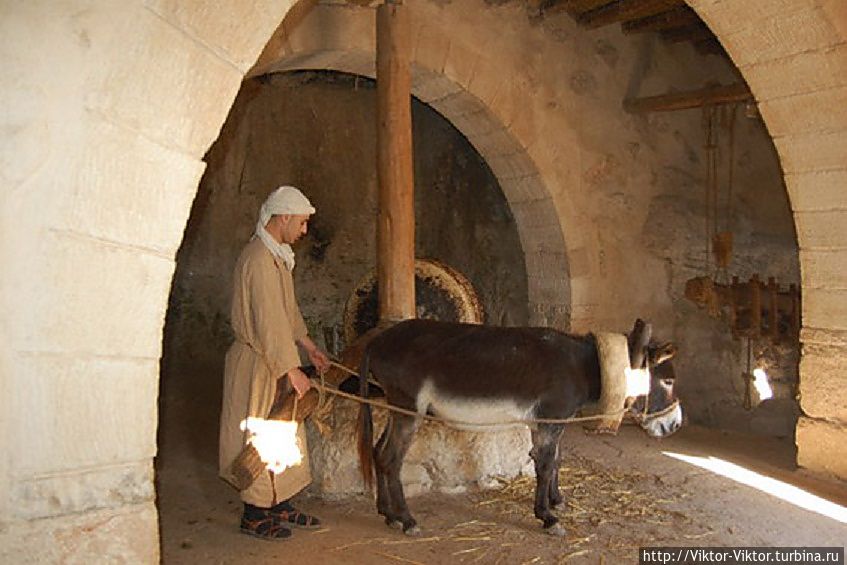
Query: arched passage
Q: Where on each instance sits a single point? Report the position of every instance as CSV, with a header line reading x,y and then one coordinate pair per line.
x,y
545,251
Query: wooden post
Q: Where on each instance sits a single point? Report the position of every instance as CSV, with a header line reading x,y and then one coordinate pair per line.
x,y
733,308
773,315
755,307
396,221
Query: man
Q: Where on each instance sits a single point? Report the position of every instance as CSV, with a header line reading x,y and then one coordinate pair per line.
x,y
268,328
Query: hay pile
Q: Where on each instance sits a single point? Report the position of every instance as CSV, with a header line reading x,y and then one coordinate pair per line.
x,y
608,515
604,511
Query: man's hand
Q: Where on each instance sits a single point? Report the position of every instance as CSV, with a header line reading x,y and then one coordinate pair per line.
x,y
318,358
299,381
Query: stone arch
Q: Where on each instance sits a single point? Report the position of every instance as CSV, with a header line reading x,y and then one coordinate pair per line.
x,y
537,223
795,62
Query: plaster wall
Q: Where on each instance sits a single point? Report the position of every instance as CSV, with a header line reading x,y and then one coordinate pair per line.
x,y
109,110
316,130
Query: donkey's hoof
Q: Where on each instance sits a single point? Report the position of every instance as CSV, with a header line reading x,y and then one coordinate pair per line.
x,y
414,531
394,524
556,530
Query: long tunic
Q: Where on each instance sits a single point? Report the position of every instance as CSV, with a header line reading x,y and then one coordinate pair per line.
x,y
267,323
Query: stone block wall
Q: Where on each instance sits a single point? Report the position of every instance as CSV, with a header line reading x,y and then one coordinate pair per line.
x,y
793,58
108,111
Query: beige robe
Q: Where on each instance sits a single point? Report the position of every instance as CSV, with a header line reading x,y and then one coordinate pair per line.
x,y
267,323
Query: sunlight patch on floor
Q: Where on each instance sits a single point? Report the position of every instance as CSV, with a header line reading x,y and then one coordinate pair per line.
x,y
779,489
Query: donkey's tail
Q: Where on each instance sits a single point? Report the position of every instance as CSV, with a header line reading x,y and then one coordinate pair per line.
x,y
364,431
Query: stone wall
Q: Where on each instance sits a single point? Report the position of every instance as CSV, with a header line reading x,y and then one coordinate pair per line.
x,y
794,58
629,190
316,130
108,109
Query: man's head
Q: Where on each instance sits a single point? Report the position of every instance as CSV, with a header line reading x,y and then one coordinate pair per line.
x,y
287,228
285,214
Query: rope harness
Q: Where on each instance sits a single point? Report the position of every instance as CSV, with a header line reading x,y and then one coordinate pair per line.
x,y
323,388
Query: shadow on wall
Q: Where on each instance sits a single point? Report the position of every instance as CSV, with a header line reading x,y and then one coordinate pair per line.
x,y
317,131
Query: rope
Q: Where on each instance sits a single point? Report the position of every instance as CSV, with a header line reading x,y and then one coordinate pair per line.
x,y
381,404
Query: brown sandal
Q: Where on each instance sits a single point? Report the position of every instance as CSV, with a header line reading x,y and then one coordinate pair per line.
x,y
296,519
267,528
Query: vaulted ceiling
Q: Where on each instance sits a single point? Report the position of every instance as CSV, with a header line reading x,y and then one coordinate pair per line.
x,y
672,20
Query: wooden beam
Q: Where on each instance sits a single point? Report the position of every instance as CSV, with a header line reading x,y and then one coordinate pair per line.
x,y
723,94
692,33
396,218
622,10
574,7
677,17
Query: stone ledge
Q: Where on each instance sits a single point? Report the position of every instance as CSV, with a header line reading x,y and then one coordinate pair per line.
x,y
777,36
798,74
821,447
85,490
80,314
823,308
822,379
818,191
814,152
823,336
439,459
546,289
729,17
524,189
238,40
129,534
100,412
157,75
823,111
556,316
158,187
824,269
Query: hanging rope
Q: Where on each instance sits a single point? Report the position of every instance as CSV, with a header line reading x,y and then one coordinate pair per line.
x,y
718,246
711,148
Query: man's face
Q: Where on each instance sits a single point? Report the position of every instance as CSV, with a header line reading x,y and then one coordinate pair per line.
x,y
293,227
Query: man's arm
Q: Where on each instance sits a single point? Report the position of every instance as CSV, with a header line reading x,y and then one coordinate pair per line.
x,y
318,358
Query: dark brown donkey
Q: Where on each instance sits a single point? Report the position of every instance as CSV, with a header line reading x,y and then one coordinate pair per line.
x,y
486,375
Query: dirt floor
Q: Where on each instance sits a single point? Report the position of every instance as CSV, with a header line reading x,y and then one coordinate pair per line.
x,y
621,493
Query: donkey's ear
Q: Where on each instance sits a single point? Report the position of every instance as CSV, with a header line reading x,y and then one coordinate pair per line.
x,y
662,353
637,341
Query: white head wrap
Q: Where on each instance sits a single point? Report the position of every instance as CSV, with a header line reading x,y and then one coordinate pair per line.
x,y
283,200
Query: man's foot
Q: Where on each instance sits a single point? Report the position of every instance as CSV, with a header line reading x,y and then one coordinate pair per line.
x,y
267,528
287,515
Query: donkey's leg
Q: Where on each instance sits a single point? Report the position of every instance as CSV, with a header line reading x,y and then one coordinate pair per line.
x,y
544,442
402,432
555,495
383,497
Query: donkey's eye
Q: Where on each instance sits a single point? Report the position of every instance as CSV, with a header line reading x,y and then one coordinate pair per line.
x,y
667,382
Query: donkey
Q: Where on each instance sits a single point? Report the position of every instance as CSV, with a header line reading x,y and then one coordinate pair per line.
x,y
485,375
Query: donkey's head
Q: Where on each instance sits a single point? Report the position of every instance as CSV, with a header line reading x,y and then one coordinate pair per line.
x,y
658,411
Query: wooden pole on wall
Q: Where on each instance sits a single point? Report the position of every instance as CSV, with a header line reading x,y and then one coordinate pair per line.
x,y
396,220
